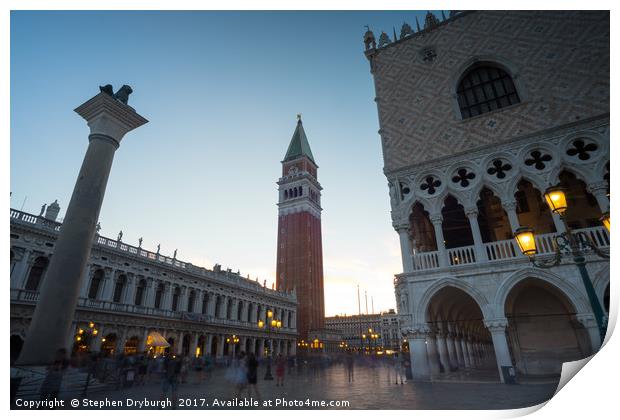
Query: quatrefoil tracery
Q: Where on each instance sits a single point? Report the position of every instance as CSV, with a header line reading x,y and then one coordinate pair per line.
x,y
538,159
499,168
430,184
462,177
581,149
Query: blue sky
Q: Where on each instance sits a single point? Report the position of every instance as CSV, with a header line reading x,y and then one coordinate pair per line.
x,y
221,91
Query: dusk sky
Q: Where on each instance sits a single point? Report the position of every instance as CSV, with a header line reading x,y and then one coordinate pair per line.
x,y
221,91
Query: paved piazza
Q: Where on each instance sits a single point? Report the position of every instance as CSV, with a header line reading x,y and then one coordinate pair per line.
x,y
371,388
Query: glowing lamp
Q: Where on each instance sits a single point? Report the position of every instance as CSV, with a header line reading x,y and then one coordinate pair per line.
x,y
525,239
261,324
605,220
269,313
556,199
279,325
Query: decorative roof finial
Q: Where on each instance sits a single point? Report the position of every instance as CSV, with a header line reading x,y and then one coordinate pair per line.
x,y
394,31
430,21
417,24
299,117
384,39
405,31
443,15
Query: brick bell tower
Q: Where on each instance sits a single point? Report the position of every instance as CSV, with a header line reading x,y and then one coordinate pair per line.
x,y
300,249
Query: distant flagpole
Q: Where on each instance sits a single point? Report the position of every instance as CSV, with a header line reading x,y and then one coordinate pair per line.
x,y
366,298
372,302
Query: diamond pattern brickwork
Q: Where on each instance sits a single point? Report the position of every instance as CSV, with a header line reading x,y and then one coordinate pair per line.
x,y
561,60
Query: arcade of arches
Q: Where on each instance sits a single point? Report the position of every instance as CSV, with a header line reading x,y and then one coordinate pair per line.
x,y
458,235
540,331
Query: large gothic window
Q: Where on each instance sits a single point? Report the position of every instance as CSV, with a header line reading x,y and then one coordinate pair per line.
x,y
118,288
485,88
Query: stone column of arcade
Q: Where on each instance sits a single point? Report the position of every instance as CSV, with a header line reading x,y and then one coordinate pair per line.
x,y
497,328
109,119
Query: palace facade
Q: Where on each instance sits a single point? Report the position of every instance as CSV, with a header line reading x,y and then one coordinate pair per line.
x,y
480,112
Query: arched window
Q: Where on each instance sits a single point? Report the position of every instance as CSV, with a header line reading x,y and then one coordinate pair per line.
x,y
36,273
95,284
175,298
140,292
190,301
239,310
159,293
205,302
485,88
118,288
285,194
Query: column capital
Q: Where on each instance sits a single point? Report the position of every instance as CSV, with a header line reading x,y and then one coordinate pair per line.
x,y
587,320
471,212
400,226
108,117
436,218
597,187
509,205
496,325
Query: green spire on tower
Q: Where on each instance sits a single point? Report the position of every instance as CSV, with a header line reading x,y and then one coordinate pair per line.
x,y
299,145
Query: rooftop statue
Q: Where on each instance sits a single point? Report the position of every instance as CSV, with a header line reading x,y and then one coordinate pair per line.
x,y
121,95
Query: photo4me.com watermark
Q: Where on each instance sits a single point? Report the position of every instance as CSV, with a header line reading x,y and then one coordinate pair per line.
x,y
145,403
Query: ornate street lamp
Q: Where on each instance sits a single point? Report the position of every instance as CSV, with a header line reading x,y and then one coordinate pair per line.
x,y
233,340
605,220
556,199
271,324
567,243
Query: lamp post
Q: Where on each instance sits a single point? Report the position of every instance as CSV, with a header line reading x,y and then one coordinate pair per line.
x,y
233,340
568,242
271,324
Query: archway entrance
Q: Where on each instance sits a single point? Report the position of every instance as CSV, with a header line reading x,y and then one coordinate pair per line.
x,y
214,346
131,345
108,345
542,331
459,345
186,344
16,344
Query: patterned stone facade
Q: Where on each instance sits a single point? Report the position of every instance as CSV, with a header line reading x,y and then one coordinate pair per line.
x,y
558,60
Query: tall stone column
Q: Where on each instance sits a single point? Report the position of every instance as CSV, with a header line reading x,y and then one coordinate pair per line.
x,y
209,344
466,359
109,120
511,210
437,220
433,357
470,353
405,247
458,350
589,323
261,348
220,346
481,253
443,351
599,191
452,359
419,358
497,328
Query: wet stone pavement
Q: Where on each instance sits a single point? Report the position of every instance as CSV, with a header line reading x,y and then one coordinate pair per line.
x,y
370,388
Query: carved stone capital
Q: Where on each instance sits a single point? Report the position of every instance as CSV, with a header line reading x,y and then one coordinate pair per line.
x,y
587,320
436,218
509,205
597,188
496,325
471,212
401,226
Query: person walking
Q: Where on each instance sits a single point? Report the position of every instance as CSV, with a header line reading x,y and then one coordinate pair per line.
x,y
170,377
350,363
252,375
400,368
50,388
280,367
